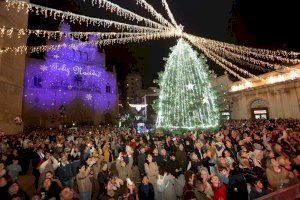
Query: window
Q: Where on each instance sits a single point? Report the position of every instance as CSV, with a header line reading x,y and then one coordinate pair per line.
x,y
37,81
226,115
260,114
259,109
107,88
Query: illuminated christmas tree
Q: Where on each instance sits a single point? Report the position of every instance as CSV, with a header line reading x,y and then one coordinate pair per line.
x,y
186,98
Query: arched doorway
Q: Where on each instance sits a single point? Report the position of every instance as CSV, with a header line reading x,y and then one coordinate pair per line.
x,y
259,109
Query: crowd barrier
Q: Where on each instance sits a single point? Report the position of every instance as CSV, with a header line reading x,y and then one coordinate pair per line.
x,y
289,193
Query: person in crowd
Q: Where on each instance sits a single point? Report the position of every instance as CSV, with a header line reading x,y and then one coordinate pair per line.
x,y
65,172
68,194
141,160
233,157
158,158
83,181
218,188
257,190
14,169
103,177
50,189
146,190
16,192
181,157
124,170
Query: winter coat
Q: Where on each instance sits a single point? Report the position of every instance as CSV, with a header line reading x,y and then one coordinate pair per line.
x,y
142,193
166,188
65,172
182,159
152,172
125,172
83,181
141,163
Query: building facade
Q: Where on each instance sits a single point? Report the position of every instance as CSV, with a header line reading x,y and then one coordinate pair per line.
x,y
11,72
69,86
275,95
133,86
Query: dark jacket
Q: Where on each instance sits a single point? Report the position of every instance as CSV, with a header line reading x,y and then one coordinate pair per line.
x,y
143,195
141,163
65,172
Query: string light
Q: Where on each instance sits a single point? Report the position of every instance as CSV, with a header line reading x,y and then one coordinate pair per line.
x,y
114,8
4,31
218,58
170,15
287,75
37,49
244,60
73,18
278,55
154,13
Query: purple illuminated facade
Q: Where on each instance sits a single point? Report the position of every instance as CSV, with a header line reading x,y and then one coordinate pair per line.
x,y
74,78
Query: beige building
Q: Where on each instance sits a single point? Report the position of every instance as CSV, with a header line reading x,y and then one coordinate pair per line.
x,y
275,95
11,71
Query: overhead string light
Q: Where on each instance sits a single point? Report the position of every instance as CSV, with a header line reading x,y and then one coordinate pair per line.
x,y
275,56
135,38
10,32
170,15
154,13
127,14
244,60
206,52
73,18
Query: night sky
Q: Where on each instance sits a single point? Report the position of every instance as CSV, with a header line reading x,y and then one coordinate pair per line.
x,y
256,23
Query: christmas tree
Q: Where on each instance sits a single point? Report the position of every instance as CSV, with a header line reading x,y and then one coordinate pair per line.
x,y
186,98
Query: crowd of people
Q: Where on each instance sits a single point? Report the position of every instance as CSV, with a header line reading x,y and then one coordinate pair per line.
x,y
244,159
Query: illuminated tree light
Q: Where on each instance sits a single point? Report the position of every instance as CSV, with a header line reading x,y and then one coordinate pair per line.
x,y
54,13
180,107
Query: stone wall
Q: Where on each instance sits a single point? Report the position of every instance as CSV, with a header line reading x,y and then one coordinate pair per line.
x,y
11,72
283,100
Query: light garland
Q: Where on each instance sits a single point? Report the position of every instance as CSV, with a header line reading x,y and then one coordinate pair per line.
x,y
54,13
9,32
244,60
217,61
229,63
279,55
217,58
166,6
154,13
269,80
37,49
114,8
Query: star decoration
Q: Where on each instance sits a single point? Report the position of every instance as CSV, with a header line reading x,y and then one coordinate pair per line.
x,y
56,56
205,100
70,87
88,97
190,86
181,27
43,68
